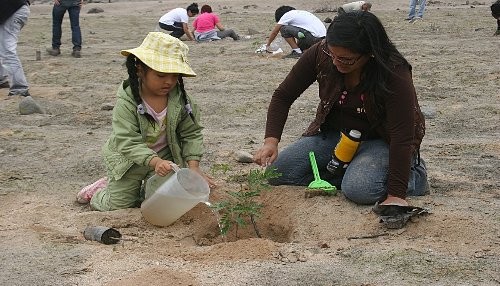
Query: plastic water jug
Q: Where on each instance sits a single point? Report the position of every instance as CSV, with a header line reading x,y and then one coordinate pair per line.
x,y
170,197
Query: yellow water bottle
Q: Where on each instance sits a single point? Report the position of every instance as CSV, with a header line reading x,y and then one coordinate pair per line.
x,y
343,153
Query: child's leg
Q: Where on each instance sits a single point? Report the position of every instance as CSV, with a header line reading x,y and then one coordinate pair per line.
x,y
123,193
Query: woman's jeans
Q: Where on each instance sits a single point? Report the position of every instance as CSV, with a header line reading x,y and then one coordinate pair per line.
x,y
74,19
365,180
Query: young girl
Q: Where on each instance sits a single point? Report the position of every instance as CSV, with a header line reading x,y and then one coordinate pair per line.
x,y
154,124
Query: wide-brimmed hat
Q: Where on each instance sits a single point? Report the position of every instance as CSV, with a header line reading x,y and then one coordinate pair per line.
x,y
163,53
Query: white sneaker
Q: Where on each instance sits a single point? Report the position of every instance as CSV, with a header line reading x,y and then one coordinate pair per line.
x,y
415,20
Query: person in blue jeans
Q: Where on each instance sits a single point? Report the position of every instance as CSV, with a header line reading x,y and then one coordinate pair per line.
x,y
60,7
413,15
13,16
364,83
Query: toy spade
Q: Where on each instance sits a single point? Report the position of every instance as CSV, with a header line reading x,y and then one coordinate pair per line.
x,y
318,183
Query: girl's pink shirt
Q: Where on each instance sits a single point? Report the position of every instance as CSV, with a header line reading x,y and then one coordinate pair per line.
x,y
205,22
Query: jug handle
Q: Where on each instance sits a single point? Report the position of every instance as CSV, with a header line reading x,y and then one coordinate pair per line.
x,y
175,167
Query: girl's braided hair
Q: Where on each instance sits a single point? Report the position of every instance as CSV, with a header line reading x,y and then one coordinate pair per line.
x,y
131,64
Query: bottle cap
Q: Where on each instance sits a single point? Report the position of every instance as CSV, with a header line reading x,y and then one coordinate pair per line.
x,y
355,134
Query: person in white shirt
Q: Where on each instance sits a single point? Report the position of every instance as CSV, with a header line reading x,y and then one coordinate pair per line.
x,y
300,29
355,6
176,20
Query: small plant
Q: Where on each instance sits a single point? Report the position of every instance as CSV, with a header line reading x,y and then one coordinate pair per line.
x,y
241,207
222,168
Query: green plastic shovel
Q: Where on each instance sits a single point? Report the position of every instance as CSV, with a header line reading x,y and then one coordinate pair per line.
x,y
318,183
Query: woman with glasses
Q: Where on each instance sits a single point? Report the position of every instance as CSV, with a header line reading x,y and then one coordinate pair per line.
x,y
365,84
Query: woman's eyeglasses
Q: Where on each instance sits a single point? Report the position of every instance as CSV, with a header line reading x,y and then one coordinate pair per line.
x,y
344,61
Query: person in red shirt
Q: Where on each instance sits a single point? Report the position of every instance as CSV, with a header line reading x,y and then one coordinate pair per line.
x,y
364,84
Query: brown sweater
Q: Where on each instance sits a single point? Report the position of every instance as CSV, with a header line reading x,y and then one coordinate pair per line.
x,y
402,127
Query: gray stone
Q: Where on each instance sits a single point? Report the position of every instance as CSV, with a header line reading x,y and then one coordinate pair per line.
x,y
428,112
29,106
243,157
95,10
107,106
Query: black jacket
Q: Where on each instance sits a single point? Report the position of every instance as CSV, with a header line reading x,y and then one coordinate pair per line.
x,y
9,7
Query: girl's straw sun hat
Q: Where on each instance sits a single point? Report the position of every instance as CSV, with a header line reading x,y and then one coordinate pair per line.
x,y
163,53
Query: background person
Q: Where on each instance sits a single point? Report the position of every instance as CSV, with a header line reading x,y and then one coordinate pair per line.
x,y
176,20
155,123
13,16
205,27
58,10
495,12
355,6
413,15
300,29
364,84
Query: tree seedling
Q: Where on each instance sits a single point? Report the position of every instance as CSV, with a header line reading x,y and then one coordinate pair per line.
x,y
241,207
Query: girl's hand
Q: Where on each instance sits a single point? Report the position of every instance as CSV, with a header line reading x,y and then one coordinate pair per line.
x,y
210,180
163,167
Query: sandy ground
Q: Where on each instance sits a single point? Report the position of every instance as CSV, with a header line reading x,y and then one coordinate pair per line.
x,y
46,158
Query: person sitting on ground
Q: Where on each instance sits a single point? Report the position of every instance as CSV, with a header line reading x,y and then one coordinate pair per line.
x,y
176,20
354,6
495,12
155,125
364,84
205,24
300,29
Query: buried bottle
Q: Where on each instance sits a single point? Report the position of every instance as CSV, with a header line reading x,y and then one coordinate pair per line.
x,y
170,197
343,153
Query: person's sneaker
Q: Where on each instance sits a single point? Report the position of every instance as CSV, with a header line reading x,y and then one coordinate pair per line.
x,y
53,51
409,18
293,55
76,54
23,93
415,20
85,195
5,85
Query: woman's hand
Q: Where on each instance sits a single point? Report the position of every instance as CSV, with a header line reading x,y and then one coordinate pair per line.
x,y
267,153
394,201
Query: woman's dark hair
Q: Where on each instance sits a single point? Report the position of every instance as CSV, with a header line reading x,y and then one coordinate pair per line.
x,y
193,8
362,32
206,9
133,80
281,11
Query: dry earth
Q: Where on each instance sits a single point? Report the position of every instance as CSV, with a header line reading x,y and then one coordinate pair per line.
x,y
46,158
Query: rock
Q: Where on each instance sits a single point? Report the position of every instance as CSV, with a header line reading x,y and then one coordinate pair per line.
x,y
243,157
327,20
29,106
428,112
252,31
107,106
95,10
